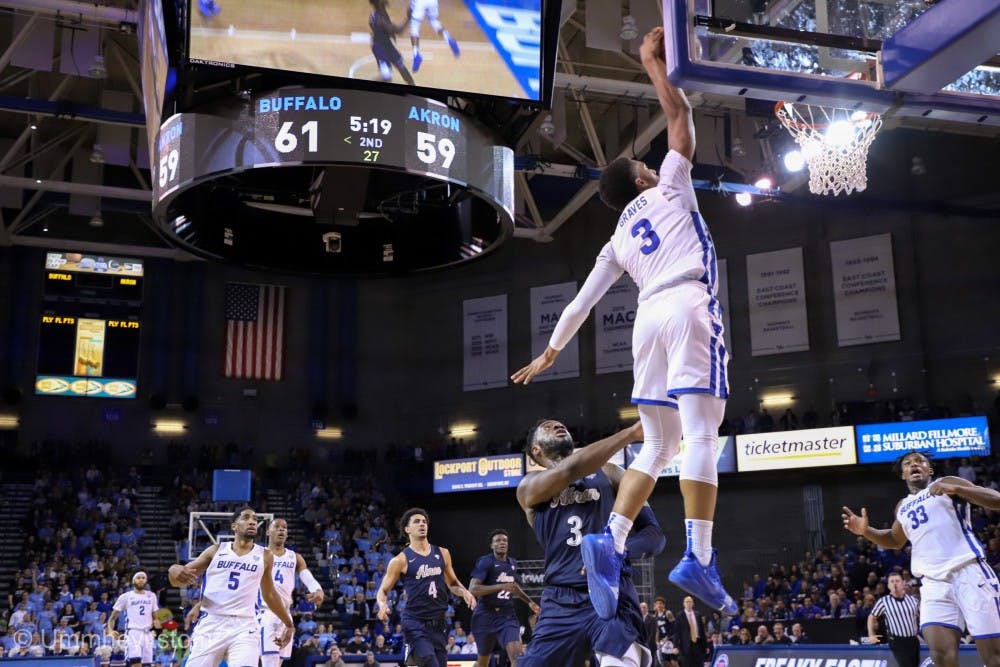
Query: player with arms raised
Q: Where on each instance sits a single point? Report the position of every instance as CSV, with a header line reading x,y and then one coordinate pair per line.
x,y
235,574
286,565
679,358
959,589
427,577
139,606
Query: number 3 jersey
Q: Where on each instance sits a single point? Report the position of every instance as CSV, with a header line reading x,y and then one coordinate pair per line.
x,y
560,524
232,582
423,581
661,240
940,530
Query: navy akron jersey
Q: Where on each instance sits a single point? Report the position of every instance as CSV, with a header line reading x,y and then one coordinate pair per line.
x,y
423,581
491,571
560,524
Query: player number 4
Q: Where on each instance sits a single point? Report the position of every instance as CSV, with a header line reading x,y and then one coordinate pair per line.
x,y
432,590
428,147
286,141
277,577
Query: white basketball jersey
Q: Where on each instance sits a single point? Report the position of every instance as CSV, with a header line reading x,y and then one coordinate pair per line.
x,y
284,575
232,582
940,530
661,239
138,609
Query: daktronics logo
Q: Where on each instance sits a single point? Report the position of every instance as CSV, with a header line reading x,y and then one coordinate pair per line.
x,y
796,449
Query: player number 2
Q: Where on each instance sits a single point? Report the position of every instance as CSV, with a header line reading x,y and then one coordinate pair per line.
x,y
644,229
917,516
575,536
432,590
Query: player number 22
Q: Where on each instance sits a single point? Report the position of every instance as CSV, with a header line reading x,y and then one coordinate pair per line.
x,y
575,535
644,229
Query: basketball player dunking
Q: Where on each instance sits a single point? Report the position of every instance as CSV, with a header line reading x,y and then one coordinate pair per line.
x,y
427,577
235,574
139,606
286,565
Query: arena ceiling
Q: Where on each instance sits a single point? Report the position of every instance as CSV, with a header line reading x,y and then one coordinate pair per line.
x,y
73,163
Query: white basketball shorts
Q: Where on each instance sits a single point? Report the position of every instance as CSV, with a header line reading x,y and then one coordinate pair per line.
x,y
968,598
139,645
235,639
271,627
677,346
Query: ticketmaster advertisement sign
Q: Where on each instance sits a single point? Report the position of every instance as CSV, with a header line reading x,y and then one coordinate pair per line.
x,y
780,450
942,438
826,655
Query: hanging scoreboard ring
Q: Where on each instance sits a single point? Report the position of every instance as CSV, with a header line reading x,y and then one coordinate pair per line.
x,y
339,182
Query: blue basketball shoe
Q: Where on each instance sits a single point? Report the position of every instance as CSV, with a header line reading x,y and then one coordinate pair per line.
x,y
604,571
454,46
703,582
417,60
208,8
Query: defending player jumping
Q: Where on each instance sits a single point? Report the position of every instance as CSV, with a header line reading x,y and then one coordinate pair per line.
x,y
680,382
959,588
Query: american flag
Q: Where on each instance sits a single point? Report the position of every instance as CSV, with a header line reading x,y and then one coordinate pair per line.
x,y
255,331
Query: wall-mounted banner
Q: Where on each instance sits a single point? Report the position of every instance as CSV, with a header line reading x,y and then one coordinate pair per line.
x,y
725,459
478,474
547,303
811,448
941,438
484,343
727,336
828,655
776,294
864,290
614,316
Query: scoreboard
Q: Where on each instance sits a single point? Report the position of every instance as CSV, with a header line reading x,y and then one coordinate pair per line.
x,y
90,326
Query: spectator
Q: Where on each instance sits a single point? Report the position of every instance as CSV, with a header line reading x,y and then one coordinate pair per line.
x,y
763,636
336,660
799,635
779,634
358,643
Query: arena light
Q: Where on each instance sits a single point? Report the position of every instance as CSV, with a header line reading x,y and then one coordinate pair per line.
x,y
330,433
744,198
462,430
9,422
169,426
628,412
794,161
777,399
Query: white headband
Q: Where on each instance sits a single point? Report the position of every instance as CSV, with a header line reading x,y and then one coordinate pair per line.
x,y
136,575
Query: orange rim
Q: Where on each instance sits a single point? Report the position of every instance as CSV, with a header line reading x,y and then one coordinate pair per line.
x,y
790,121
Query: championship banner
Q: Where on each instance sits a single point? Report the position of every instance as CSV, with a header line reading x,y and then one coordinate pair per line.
x,y
825,655
864,290
725,458
478,474
783,450
614,316
723,289
547,303
484,343
939,438
777,302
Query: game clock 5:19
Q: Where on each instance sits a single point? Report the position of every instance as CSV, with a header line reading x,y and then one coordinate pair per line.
x,y
370,125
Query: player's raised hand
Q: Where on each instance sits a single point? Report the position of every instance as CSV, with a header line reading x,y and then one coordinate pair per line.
x,y
538,365
854,523
652,45
940,488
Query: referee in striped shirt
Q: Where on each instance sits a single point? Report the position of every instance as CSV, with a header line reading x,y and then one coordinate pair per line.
x,y
902,619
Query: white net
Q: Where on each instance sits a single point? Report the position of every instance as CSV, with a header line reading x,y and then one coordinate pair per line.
x,y
834,143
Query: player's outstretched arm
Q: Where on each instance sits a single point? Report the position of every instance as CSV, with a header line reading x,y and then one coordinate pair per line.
x,y
673,101
188,575
966,490
316,594
541,486
454,584
273,601
392,573
604,274
890,538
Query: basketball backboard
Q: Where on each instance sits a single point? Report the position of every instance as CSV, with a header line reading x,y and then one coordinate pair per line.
x,y
919,61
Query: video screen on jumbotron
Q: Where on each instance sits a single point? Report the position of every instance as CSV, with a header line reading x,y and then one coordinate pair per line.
x,y
474,47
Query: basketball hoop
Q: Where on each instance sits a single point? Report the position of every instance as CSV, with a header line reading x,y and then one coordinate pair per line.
x,y
834,143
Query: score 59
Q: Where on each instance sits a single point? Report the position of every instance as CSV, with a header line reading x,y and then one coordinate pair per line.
x,y
429,147
167,171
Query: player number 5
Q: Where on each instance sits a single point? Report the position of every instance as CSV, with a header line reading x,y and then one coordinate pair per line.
x,y
234,581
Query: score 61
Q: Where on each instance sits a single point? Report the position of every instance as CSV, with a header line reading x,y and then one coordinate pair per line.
x,y
429,146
